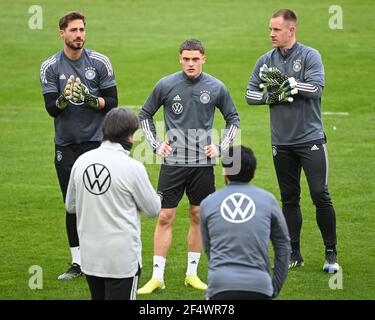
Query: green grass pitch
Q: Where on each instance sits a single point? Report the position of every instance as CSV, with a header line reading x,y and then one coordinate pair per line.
x,y
142,38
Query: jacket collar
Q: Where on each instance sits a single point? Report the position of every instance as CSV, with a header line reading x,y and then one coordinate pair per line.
x,y
289,51
234,183
192,80
113,146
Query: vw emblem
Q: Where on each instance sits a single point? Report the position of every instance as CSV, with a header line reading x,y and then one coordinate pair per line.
x,y
177,108
97,179
237,208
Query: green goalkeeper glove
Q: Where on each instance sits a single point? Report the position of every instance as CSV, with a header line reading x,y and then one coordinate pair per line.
x,y
290,85
279,96
272,75
82,95
278,85
63,100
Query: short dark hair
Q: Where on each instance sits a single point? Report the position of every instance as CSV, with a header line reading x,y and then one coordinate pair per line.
x,y
192,44
119,124
245,156
70,16
287,14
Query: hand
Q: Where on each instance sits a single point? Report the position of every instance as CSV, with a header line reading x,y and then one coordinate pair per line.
x,y
164,150
289,85
78,91
272,75
67,94
211,151
281,95
82,95
280,87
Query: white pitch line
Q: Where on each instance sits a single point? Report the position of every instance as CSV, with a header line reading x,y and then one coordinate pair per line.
x,y
328,113
131,107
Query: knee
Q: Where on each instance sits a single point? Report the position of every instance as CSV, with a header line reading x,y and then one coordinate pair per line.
x,y
321,198
166,217
290,200
194,215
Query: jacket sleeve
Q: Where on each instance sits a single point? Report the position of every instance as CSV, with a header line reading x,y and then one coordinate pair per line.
x,y
254,95
110,97
50,86
313,83
281,244
145,197
150,107
105,69
230,114
50,104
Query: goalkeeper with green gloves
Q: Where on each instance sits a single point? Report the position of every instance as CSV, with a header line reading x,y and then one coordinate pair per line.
x,y
79,88
290,79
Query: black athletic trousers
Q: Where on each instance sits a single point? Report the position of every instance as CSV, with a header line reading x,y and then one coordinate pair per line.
x,y
312,157
65,156
113,289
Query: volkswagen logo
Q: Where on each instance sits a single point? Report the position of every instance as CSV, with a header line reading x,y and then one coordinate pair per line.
x,y
177,108
237,208
97,179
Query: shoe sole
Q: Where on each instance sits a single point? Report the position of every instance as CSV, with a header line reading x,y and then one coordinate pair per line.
x,y
301,264
61,278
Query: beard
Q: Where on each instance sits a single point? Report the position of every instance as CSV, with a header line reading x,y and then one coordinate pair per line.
x,y
74,46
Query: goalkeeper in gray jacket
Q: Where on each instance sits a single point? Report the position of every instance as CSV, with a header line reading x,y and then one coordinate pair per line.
x,y
290,79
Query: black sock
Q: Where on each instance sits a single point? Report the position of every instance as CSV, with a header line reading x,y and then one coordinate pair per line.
x,y
331,248
295,246
71,227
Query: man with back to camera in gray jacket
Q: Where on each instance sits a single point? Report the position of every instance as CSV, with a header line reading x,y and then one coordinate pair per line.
x,y
107,189
294,77
237,223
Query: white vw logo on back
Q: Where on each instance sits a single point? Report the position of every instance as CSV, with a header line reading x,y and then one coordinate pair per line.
x,y
237,208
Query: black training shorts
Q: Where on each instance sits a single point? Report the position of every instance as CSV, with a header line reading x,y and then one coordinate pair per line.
x,y
199,182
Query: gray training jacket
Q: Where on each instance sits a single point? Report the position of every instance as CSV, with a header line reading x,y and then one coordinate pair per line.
x,y
299,121
189,108
79,122
237,224
108,190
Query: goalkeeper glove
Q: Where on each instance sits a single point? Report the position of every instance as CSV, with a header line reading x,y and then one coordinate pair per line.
x,y
290,85
63,100
278,85
272,75
81,95
279,96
